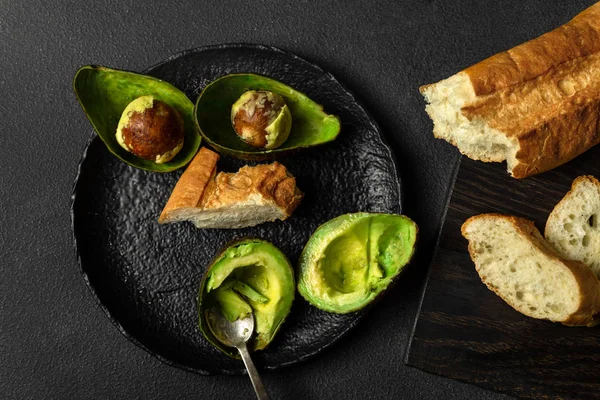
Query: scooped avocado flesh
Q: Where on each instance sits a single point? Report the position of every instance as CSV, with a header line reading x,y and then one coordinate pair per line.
x,y
353,258
252,276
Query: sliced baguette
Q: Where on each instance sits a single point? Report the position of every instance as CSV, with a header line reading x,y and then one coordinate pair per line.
x,y
536,105
573,227
249,197
514,261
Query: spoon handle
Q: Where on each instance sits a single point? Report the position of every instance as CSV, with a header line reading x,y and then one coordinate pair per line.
x,y
259,388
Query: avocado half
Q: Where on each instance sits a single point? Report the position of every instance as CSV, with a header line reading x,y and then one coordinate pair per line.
x,y
351,259
104,93
250,276
311,126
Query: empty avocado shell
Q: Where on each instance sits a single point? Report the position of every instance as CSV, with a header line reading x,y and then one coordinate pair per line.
x,y
104,93
250,276
311,126
353,258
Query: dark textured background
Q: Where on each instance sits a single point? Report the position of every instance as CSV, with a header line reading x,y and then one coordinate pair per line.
x,y
55,341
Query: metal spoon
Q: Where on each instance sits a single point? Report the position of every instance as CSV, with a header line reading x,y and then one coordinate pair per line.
x,y
236,334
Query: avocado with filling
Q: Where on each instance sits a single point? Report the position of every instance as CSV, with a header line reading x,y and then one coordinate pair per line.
x,y
351,259
105,93
251,276
310,125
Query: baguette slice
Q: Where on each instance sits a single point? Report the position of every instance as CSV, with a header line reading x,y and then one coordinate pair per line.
x,y
573,227
536,105
515,262
249,197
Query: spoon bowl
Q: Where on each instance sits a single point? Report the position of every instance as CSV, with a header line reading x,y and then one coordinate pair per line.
x,y
231,334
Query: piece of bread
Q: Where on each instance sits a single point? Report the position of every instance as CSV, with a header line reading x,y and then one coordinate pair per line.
x,y
536,105
573,227
249,197
513,260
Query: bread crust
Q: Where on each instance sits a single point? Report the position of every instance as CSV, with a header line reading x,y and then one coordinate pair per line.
x,y
191,185
577,38
542,95
553,118
272,182
200,189
589,293
553,80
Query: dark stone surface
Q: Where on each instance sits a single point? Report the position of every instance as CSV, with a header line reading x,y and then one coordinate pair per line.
x,y
55,341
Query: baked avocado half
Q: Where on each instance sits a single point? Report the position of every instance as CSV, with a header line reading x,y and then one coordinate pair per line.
x,y
105,94
250,276
351,259
310,124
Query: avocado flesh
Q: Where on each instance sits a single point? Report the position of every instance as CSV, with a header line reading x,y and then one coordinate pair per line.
x,y
311,126
231,304
351,259
252,276
249,292
104,93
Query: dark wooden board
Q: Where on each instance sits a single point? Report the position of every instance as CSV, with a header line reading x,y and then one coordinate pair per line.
x,y
464,331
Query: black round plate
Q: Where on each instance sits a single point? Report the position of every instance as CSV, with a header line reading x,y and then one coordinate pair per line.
x,y
146,276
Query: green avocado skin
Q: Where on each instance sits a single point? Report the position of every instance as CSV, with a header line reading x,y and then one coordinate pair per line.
x,y
103,93
352,259
251,275
311,126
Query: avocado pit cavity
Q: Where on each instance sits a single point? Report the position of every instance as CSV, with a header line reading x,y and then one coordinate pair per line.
x,y
351,259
